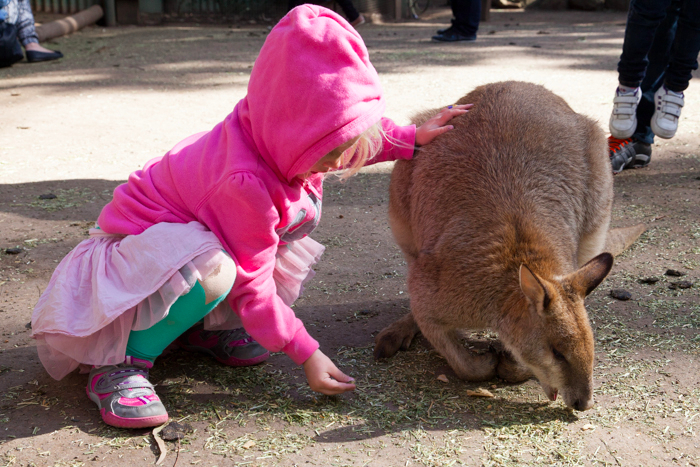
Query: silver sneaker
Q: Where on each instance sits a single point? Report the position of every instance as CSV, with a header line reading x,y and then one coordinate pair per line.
x,y
667,111
623,120
124,395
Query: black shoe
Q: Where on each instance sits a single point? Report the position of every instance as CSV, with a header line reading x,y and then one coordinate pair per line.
x,y
642,155
628,154
451,35
34,56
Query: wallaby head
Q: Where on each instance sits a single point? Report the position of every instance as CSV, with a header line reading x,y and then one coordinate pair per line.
x,y
558,344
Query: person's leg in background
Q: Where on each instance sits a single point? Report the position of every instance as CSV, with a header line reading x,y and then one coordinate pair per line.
x,y
669,98
353,16
659,56
643,20
465,24
26,33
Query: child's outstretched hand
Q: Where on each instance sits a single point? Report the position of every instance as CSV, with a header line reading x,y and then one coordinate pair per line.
x,y
325,377
437,125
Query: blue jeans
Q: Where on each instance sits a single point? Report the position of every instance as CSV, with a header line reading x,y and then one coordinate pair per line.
x,y
644,21
467,14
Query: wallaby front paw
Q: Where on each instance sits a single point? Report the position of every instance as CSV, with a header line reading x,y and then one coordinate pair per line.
x,y
510,370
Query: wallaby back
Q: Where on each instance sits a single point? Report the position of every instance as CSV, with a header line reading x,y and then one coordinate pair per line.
x,y
502,221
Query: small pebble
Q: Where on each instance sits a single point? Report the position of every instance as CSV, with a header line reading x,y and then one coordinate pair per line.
x,y
47,196
13,251
649,280
680,285
620,294
674,273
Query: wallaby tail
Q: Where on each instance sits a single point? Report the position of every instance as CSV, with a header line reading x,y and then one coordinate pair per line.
x,y
620,239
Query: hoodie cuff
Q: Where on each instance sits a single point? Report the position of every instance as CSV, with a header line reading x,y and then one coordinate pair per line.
x,y
301,347
406,135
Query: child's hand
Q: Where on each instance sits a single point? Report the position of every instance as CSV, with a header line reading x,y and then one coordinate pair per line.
x,y
435,126
325,377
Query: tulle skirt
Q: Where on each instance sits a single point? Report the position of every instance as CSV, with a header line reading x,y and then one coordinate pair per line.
x,y
109,285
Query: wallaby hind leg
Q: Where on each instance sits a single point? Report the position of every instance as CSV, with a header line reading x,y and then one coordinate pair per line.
x,y
395,337
468,365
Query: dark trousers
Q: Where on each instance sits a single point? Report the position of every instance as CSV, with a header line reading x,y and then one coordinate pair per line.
x,y
348,8
651,19
467,14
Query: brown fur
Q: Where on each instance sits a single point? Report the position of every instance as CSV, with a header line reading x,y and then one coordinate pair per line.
x,y
502,221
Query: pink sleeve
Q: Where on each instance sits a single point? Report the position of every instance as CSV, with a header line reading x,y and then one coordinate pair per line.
x,y
243,216
399,143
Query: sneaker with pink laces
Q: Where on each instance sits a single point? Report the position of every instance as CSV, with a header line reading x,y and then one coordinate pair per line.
x,y
124,395
232,347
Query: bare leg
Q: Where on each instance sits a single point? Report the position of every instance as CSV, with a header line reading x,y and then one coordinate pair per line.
x,y
36,47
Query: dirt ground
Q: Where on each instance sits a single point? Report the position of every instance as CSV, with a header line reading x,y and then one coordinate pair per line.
x,y
75,128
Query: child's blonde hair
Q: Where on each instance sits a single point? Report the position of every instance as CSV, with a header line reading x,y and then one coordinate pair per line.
x,y
367,146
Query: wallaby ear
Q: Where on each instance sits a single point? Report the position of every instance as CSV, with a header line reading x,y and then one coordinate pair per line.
x,y
590,275
534,290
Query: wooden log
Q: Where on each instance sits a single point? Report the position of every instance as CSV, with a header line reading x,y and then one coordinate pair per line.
x,y
69,24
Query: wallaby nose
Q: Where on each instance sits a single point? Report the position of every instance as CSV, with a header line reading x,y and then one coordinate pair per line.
x,y
583,404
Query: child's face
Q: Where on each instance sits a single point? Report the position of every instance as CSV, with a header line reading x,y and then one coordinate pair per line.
x,y
334,159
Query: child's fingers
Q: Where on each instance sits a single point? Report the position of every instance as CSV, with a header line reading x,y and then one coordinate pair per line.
x,y
330,386
340,376
448,114
443,129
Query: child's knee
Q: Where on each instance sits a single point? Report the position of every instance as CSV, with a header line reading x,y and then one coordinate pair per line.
x,y
220,281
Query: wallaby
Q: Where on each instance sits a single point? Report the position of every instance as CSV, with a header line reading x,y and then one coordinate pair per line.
x,y
503,221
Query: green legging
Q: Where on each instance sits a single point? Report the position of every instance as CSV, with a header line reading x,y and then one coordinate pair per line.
x,y
149,343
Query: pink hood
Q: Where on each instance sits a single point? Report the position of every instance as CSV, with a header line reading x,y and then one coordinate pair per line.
x,y
312,89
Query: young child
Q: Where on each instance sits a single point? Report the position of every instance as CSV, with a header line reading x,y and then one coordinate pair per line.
x,y
217,229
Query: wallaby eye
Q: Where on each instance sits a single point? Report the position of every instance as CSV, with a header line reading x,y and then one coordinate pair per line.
x,y
558,355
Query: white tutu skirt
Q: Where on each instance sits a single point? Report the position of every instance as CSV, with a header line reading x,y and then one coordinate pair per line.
x,y
109,285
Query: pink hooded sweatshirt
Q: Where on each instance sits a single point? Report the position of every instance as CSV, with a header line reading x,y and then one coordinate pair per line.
x,y
311,89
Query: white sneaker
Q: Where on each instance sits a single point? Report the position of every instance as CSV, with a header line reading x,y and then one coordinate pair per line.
x,y
667,111
623,120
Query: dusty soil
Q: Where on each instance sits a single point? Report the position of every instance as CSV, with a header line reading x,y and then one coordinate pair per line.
x,y
77,127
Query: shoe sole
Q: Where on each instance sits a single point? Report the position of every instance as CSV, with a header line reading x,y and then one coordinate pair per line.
x,y
146,422
457,40
660,132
